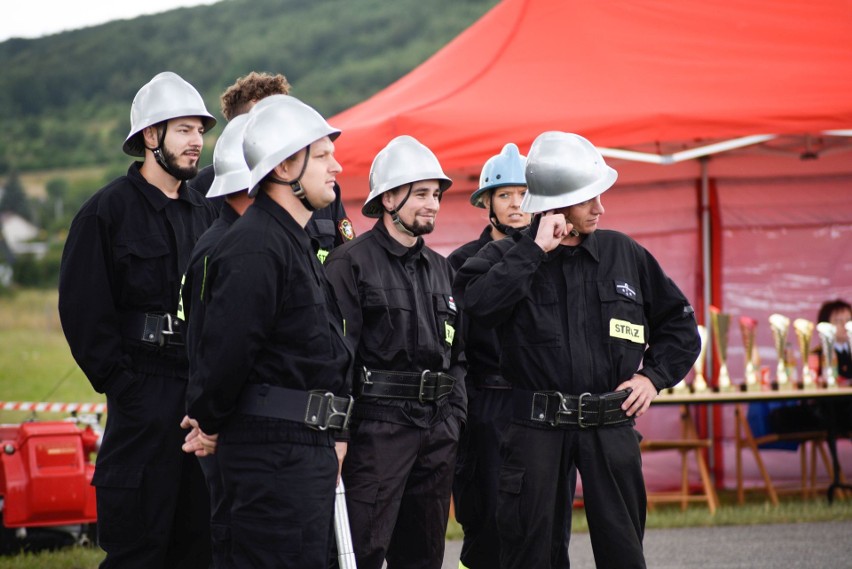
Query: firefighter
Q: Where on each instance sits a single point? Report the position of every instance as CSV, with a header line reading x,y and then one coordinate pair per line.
x,y
118,294
330,225
501,188
271,376
231,184
401,319
578,311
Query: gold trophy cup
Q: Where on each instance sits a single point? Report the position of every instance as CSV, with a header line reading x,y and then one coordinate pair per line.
x,y
804,332
699,384
721,323
779,325
748,330
827,332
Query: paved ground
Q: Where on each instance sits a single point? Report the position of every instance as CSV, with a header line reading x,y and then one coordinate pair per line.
x,y
824,545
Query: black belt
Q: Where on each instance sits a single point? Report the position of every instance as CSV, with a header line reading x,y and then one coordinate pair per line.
x,y
424,386
320,410
158,328
483,381
562,410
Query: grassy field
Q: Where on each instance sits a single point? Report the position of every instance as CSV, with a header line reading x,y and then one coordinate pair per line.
x,y
35,365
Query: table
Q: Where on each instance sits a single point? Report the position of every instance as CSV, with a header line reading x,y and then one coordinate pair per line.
x,y
685,399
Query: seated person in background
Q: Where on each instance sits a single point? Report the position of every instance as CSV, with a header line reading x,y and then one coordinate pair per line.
x,y
812,415
837,312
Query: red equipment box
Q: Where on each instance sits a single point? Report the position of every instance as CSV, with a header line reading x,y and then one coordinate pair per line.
x,y
46,474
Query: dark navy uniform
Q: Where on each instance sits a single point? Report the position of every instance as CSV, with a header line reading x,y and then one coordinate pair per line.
x,y
125,253
329,226
401,318
488,414
489,411
575,321
271,326
191,289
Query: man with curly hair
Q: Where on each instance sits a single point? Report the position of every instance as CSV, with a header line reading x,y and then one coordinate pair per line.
x,y
330,226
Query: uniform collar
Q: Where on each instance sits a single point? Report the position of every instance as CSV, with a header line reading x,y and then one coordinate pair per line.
x,y
393,246
588,244
154,195
228,214
485,236
283,217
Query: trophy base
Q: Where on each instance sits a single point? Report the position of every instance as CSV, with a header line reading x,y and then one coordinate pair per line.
x,y
752,387
786,386
729,388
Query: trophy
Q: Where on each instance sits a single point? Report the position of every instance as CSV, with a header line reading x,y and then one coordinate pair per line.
x,y
748,329
804,332
721,323
699,384
779,325
827,332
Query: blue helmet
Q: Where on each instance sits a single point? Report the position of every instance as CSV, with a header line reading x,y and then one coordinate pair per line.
x,y
504,169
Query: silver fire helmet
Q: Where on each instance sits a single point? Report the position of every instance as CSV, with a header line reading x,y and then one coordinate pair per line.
x,y
229,164
166,96
278,127
404,160
564,169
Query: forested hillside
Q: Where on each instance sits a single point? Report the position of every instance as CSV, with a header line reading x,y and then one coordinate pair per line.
x,y
65,99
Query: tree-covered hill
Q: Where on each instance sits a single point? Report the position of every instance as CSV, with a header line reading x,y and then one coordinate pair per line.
x,y
65,98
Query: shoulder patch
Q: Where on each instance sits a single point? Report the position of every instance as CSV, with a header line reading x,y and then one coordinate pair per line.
x,y
346,229
625,289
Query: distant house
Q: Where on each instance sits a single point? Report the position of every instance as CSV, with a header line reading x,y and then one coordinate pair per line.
x,y
18,233
7,259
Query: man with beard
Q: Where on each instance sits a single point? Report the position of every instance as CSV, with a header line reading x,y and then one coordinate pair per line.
x,y
118,293
395,295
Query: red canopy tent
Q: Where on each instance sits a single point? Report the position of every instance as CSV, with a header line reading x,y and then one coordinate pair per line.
x,y
728,123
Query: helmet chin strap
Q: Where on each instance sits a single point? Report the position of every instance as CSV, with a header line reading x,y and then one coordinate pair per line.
x,y
296,185
394,213
158,152
501,227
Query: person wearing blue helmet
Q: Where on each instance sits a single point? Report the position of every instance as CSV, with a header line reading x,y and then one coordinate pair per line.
x,y
502,186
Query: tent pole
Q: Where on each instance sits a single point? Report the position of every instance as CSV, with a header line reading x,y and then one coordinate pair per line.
x,y
707,296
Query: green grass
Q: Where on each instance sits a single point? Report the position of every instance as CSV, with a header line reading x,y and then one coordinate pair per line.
x,y
756,510
72,558
35,362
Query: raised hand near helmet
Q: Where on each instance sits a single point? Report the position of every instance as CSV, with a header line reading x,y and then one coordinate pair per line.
x,y
552,228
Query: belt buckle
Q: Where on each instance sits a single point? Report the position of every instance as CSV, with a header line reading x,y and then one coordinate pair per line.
x,y
168,329
423,386
580,410
561,409
331,411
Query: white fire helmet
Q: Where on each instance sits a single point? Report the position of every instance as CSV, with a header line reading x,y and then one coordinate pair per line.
x,y
166,96
564,169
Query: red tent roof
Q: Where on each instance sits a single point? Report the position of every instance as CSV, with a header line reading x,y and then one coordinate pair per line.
x,y
653,75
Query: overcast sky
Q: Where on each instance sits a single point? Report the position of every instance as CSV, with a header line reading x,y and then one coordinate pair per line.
x,y
36,18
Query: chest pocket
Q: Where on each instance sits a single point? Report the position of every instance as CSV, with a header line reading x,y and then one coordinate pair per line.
x,y
142,267
306,304
622,314
446,314
536,321
387,319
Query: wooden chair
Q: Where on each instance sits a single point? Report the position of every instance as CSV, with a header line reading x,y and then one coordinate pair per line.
x,y
815,441
689,443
